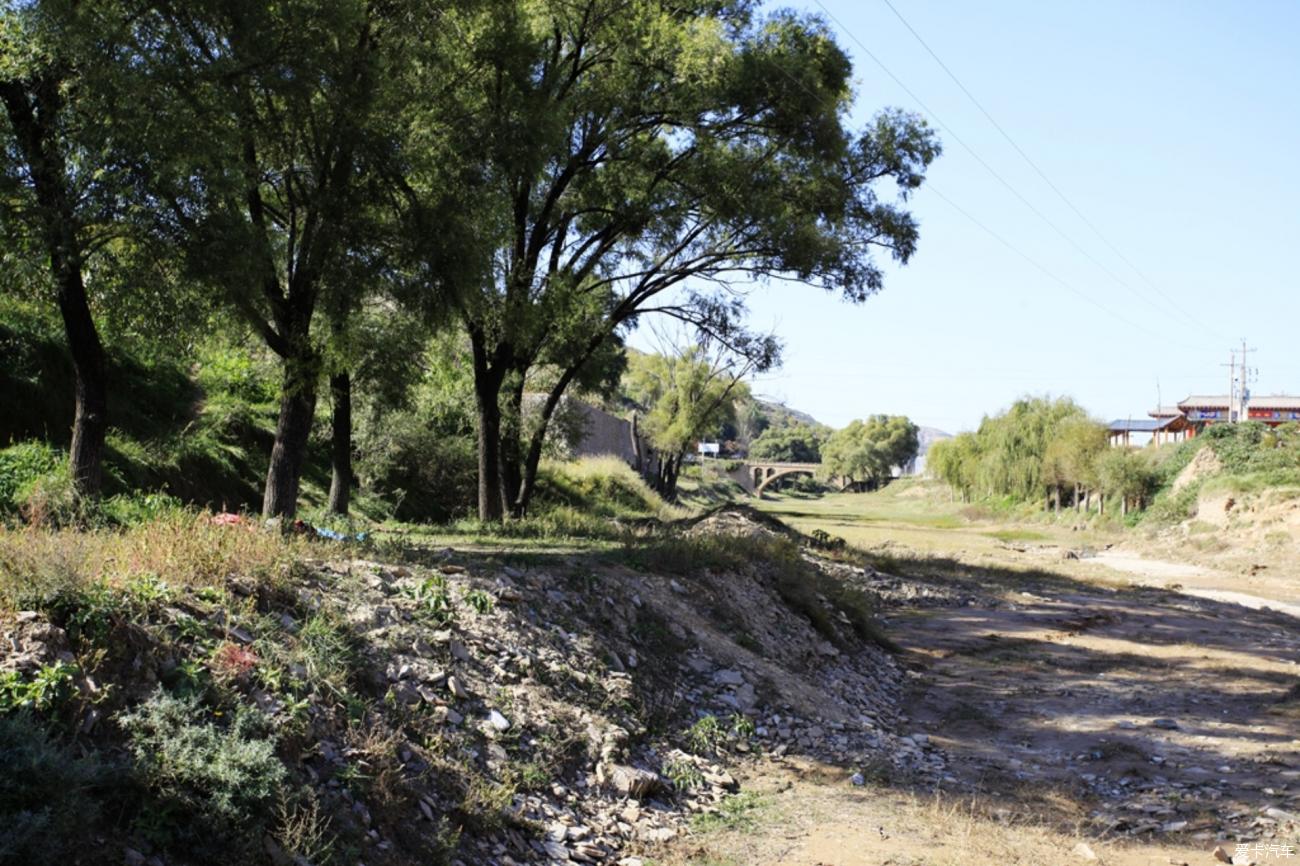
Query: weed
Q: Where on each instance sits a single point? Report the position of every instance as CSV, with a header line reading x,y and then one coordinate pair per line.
x,y
482,602
45,692
738,812
434,597
704,736
303,833
683,774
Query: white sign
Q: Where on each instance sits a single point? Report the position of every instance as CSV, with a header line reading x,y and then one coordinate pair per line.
x,y
710,448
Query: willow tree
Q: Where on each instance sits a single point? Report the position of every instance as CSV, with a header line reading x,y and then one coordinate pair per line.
x,y
636,157
689,395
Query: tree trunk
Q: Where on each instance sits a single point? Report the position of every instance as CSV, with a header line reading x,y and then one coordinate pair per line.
x,y
1056,499
35,134
487,392
511,451
292,429
341,443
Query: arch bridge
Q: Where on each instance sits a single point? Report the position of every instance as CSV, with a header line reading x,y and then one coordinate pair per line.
x,y
756,475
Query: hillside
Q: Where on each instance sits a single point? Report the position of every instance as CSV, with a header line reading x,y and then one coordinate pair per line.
x,y
286,701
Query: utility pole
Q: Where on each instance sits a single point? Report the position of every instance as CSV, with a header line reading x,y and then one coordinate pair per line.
x,y
1243,392
1232,385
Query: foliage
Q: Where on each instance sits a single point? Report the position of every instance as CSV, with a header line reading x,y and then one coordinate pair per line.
x,y
206,777
1036,444
46,808
790,443
48,688
21,466
870,450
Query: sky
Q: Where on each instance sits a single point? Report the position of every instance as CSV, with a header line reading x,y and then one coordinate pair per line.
x,y
1172,127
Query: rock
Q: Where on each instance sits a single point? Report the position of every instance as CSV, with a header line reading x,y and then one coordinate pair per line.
x,y
498,721
555,850
858,780
1281,815
728,678
454,686
630,781
1083,851
1221,854
458,651
1164,724
658,834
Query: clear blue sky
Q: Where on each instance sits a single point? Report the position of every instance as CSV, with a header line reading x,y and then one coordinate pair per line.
x,y
1174,127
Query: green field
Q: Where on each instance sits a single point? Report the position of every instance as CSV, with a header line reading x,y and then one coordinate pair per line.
x,y
918,515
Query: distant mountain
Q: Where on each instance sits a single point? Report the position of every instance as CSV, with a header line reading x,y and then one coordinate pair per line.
x,y
778,413
926,436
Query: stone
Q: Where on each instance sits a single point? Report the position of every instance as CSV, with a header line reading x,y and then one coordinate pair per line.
x,y
458,651
630,781
858,780
498,721
728,678
454,686
1084,851
1221,854
1164,724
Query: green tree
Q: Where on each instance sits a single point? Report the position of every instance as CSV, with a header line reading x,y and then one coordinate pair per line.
x,y
870,450
688,396
1071,459
262,151
629,148
790,443
57,192
1125,474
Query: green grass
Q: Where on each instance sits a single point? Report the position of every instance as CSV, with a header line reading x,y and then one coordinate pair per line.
x,y
739,812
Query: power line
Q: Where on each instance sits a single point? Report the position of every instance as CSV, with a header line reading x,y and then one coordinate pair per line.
x,y
992,171
1049,274
1047,180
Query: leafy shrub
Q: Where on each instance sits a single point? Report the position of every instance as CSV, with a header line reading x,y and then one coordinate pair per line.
x,y
22,465
45,803
50,500
44,692
214,783
134,508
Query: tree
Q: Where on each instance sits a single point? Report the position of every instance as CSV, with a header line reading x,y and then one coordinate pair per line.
x,y
260,153
57,187
869,450
633,157
1125,474
688,396
790,443
1071,458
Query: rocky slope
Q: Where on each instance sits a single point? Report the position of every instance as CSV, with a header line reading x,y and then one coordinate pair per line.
x,y
430,705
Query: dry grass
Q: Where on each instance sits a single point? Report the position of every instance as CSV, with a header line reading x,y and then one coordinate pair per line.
x,y
813,816
184,548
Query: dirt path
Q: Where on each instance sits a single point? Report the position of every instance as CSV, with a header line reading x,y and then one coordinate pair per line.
x,y
1148,725
1203,582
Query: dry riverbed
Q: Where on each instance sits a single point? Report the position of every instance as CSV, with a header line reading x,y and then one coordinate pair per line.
x,y
1082,711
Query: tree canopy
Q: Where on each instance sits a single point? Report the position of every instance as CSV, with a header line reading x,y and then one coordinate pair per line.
x,y
869,450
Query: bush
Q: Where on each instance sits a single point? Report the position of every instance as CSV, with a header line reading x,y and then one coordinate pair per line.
x,y
213,783
425,474
46,809
21,466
